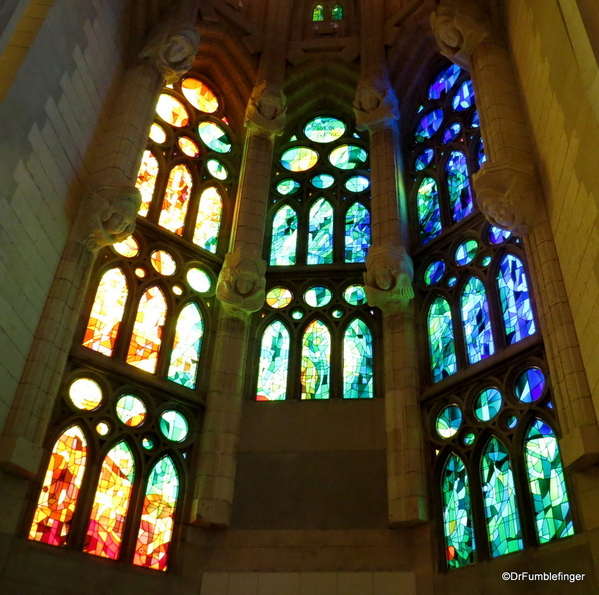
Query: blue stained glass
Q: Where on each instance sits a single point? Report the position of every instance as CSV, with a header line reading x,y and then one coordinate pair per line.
x,y
499,495
357,184
481,157
466,252
316,361
355,295
477,323
428,125
530,385
357,233
284,237
424,159
434,272
498,236
451,132
323,181
440,338
274,363
487,404
320,239
429,212
458,185
357,361
475,122
516,308
444,81
464,96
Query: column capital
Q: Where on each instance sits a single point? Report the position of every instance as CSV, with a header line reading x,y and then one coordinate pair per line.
x,y
375,105
459,27
171,48
266,111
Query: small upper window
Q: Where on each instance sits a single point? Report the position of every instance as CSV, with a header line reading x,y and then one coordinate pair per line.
x,y
337,12
318,13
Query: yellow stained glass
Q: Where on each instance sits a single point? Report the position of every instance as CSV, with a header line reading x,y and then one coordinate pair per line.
x,y
157,133
176,199
200,95
172,111
163,263
279,297
85,394
128,248
188,146
208,220
146,181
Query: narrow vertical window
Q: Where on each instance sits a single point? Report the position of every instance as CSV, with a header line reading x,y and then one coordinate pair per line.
x,y
111,503
337,12
460,548
176,199
477,322
316,361
318,13
147,331
458,186
157,516
107,312
274,363
58,498
499,496
208,221
357,233
183,367
518,319
553,517
146,181
284,237
429,212
320,236
440,338
357,361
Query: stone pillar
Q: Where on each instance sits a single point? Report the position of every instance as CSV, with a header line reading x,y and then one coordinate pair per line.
x,y
388,280
510,196
240,287
106,215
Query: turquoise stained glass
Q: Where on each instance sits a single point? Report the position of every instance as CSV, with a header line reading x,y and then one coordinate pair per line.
x,y
322,181
460,545
553,517
357,361
214,137
444,81
299,159
357,233
477,322
449,421
466,252
274,363
428,125
348,157
357,184
458,186
355,295
464,96
318,296
288,186
487,404
284,237
320,233
440,338
324,130
318,13
434,272
183,368
315,375
429,212
518,319
499,497
337,12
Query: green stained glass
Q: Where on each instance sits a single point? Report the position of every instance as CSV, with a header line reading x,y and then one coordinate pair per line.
x,y
324,130
449,421
511,422
355,295
284,237
458,186
279,297
357,361
469,439
214,137
274,363
183,368
299,159
466,252
337,313
357,233
288,186
499,496
318,296
487,404
486,261
320,233
348,157
131,410
460,545
147,443
199,280
316,361
322,181
357,184
293,138
429,212
434,272
547,484
318,13
174,426
217,169
477,322
297,314
529,385
440,338
337,12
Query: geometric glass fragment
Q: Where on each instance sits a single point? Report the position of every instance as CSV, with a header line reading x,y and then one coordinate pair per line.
x,y
207,226
348,157
337,12
441,342
487,404
322,181
157,133
214,137
529,385
128,248
428,125
176,199
172,111
131,410
85,394
444,81
217,169
357,233
458,186
324,129
477,322
189,147
498,235
288,186
199,280
187,344
451,132
475,122
357,361
146,181
318,13
424,159
320,234
200,95
429,212
481,157
316,361
449,421
299,159
274,363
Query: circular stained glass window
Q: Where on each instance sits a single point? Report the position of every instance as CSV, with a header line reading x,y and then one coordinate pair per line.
x,y
323,181
217,169
486,261
451,132
451,281
357,183
177,290
348,157
189,147
147,443
318,296
139,272
511,422
466,252
428,125
530,385
174,426
464,97
498,235
355,295
85,394
103,428
449,421
487,404
434,272
214,137
469,439
475,122
279,297
200,95
131,410
172,111
163,263
127,248
199,280
297,315
324,130
288,186
424,159
445,80
299,159
157,133
337,313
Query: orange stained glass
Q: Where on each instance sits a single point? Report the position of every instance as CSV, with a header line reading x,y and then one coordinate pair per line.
x,y
157,517
188,146
111,502
163,263
107,312
58,498
127,248
172,111
147,331
157,133
176,199
146,181
208,220
200,95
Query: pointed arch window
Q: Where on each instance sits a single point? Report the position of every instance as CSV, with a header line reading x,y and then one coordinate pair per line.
x,y
320,239
284,237
208,220
274,363
357,233
318,13
316,361
146,180
477,322
176,199
441,341
337,12
429,212
357,361
186,346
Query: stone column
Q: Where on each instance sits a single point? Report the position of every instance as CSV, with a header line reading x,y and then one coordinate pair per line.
x,y
388,280
510,196
240,287
106,215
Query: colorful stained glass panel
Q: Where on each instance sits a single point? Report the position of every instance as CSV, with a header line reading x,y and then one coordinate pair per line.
x,y
128,248
318,13
451,132
163,263
172,111
477,322
444,81
217,169
315,376
174,426
324,129
429,211
458,186
131,410
85,394
434,272
176,199
320,233
288,186
299,159
199,280
355,295
348,157
214,137
424,159
183,368
357,361
441,342
146,181
337,12
322,181
530,385
279,297
357,184
498,235
284,237
210,209
157,133
466,252
357,233
487,404
189,147
318,296
200,95
464,96
449,421
274,363
428,125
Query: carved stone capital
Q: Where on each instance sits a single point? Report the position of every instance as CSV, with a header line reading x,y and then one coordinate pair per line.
x,y
171,48
241,284
107,215
375,105
508,194
459,26
266,111
388,278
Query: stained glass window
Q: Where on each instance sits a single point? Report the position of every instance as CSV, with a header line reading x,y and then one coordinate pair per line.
x,y
357,361
316,361
320,239
200,95
176,199
428,125
476,320
274,363
146,181
284,237
458,185
318,13
324,129
214,137
208,220
429,212
337,12
444,81
172,111
357,233
186,347
299,159
441,342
